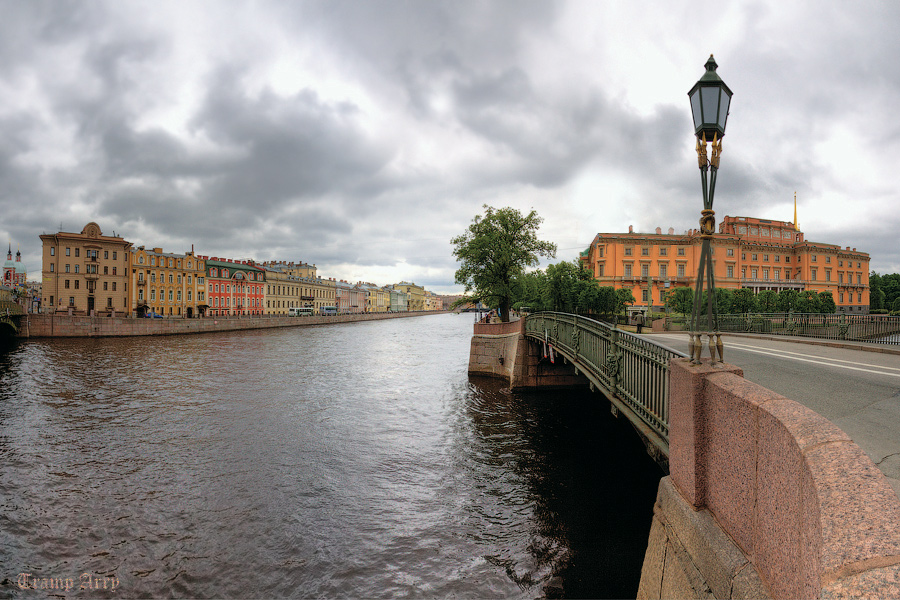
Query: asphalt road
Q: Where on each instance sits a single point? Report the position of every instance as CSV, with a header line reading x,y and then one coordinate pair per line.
x,y
859,391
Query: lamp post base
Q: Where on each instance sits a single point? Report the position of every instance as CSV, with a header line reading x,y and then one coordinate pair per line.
x,y
714,344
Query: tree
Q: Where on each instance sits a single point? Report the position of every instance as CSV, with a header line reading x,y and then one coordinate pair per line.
x,y
495,249
787,300
744,301
623,297
681,300
826,303
767,301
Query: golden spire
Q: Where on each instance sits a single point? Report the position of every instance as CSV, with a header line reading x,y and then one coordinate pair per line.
x,y
796,226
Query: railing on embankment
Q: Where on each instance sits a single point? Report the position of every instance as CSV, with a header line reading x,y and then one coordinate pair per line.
x,y
875,329
631,371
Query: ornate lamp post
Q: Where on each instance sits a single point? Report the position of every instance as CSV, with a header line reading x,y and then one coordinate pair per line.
x,y
710,100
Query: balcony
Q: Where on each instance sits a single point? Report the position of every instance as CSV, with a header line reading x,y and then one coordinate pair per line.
x,y
789,284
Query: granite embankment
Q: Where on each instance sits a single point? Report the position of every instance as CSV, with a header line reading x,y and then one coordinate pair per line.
x,y
34,326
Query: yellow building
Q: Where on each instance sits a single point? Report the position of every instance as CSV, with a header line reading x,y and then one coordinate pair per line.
x,y
757,254
86,273
283,291
172,285
415,292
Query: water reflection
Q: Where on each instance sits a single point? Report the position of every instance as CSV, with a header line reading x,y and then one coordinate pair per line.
x,y
355,460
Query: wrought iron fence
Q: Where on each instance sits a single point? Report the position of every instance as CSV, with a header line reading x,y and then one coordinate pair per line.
x,y
874,329
629,369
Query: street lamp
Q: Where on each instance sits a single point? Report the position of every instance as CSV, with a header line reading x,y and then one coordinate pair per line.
x,y
710,101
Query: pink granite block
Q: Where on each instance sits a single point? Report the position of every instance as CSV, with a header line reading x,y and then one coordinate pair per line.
x,y
810,537
860,513
779,507
731,407
687,426
880,582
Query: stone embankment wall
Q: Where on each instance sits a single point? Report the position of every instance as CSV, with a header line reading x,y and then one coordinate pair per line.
x,y
78,326
766,498
501,350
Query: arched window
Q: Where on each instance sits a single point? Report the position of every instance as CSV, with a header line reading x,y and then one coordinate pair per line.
x,y
140,259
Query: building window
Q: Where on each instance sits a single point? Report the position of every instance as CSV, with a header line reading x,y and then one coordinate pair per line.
x,y
645,251
71,300
754,257
777,258
753,273
51,267
859,297
628,270
171,277
115,255
777,274
67,267
179,296
76,284
765,258
766,274
680,270
67,284
827,274
859,278
628,251
841,297
729,252
114,286
644,295
827,259
106,254
681,252
114,270
153,295
645,270
105,284
812,257
68,252
76,268
840,262
170,296
77,251
729,271
743,256
812,274
152,261
141,259
663,271
52,253
787,259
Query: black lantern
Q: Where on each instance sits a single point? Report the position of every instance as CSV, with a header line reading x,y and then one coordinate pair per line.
x,y
710,99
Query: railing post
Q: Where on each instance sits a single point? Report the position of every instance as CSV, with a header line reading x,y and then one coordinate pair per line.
x,y
612,360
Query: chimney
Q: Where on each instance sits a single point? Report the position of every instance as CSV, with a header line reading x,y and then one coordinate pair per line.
x,y
631,229
659,231
671,231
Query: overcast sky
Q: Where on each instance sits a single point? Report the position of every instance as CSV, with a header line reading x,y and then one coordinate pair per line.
x,y
363,135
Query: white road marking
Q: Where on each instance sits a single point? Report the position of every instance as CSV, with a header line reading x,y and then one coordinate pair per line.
x,y
830,362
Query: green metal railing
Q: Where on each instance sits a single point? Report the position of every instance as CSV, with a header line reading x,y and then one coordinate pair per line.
x,y
631,371
873,329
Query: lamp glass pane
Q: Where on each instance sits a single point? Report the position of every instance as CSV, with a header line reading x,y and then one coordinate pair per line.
x,y
725,100
709,97
695,108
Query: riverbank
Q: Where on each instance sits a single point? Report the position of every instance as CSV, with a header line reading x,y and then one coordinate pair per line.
x,y
63,325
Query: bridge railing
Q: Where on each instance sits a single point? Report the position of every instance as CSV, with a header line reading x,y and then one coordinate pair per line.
x,y
875,329
629,369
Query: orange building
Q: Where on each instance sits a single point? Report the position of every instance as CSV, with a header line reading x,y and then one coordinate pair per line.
x,y
758,254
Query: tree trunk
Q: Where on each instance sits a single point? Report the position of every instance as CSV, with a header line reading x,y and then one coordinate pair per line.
x,y
504,310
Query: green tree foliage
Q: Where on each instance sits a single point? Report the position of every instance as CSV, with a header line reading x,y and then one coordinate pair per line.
x,y
807,302
826,303
528,291
496,248
767,301
787,301
680,300
624,297
565,282
896,305
744,301
883,290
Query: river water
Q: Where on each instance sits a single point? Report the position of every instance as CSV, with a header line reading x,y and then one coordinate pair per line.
x,y
353,460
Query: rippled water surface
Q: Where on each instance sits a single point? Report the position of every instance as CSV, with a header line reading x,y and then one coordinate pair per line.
x,y
344,460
